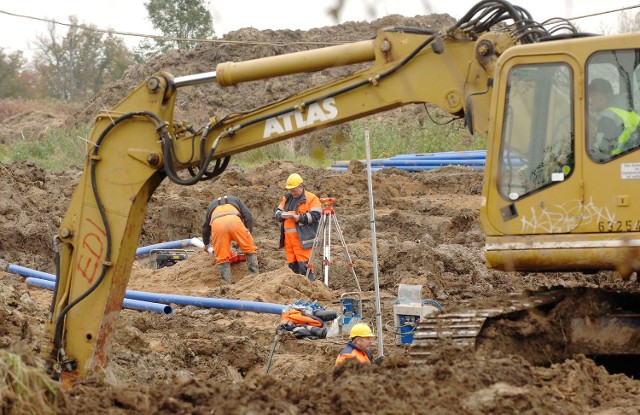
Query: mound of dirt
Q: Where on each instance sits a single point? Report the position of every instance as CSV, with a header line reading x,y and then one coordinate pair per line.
x,y
197,360
30,126
208,360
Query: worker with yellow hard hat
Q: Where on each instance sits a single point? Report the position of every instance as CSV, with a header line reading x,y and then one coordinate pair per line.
x,y
299,213
360,341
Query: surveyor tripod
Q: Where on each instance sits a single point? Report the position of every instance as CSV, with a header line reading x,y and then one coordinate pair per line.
x,y
324,228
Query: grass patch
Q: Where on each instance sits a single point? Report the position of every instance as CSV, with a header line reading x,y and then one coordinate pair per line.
x,y
25,389
284,150
55,151
387,139
62,148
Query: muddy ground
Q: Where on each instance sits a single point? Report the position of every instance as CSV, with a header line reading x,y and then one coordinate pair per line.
x,y
207,361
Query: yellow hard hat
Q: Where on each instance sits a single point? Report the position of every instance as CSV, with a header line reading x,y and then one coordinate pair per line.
x,y
293,181
361,330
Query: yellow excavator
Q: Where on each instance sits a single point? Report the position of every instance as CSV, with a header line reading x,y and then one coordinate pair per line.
x,y
553,199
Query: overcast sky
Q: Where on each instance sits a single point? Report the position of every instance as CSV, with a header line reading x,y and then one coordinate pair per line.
x,y
16,33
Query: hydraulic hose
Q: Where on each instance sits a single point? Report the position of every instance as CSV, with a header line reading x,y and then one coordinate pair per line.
x,y
432,302
56,259
93,157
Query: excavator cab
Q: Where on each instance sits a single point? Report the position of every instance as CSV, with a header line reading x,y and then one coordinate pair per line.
x,y
560,194
559,189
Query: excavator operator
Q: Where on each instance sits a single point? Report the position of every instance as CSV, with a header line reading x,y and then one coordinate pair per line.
x,y
229,219
299,213
617,128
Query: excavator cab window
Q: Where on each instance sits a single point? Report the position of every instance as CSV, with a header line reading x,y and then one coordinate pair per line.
x,y
538,132
613,96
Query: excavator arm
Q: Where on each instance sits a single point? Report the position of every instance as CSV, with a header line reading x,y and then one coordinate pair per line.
x,y
409,66
137,143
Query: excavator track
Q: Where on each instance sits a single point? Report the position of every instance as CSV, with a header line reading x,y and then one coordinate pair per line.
x,y
466,327
462,328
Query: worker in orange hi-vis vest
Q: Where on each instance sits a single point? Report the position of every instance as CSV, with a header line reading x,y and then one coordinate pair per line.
x,y
360,341
229,219
299,213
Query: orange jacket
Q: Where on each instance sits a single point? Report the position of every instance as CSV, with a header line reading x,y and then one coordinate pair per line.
x,y
351,351
223,210
310,211
243,212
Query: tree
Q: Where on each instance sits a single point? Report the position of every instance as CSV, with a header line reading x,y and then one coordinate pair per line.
x,y
182,19
9,70
16,80
628,22
77,66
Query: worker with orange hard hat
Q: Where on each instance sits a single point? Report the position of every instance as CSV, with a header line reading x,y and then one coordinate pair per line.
x,y
360,341
299,213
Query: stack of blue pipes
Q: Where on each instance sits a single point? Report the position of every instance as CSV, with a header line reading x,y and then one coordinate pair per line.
x,y
423,161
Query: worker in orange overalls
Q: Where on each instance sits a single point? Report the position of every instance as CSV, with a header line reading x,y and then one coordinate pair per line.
x,y
229,219
300,213
360,341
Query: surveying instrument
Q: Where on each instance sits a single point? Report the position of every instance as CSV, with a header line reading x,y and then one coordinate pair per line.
x,y
351,302
324,228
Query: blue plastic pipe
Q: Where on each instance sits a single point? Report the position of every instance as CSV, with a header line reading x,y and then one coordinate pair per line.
x,y
208,302
126,303
405,168
421,162
432,159
459,155
448,156
144,250
26,272
417,162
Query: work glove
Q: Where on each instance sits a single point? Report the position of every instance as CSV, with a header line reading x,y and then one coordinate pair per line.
x,y
379,360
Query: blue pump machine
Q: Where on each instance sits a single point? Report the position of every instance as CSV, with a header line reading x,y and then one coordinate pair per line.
x,y
350,314
409,309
